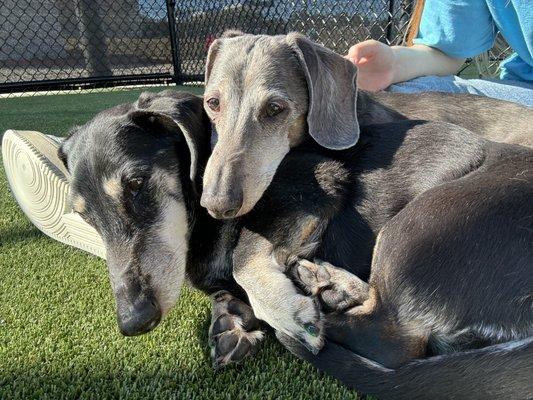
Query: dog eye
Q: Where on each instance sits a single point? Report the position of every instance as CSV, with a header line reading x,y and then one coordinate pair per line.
x,y
273,109
214,104
135,185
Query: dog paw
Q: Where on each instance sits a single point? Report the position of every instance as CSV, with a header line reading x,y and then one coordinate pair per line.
x,y
336,288
235,332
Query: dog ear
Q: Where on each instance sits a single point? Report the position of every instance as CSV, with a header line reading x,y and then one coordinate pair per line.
x,y
64,148
176,112
331,83
62,155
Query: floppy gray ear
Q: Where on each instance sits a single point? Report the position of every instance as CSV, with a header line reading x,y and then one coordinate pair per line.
x,y
171,111
331,82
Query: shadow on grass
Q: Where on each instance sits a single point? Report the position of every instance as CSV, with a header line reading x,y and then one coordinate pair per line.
x,y
100,382
15,235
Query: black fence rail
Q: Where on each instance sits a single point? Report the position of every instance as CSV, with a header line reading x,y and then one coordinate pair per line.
x,y
72,44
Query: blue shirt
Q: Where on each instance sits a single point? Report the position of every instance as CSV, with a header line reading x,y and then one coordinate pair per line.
x,y
466,28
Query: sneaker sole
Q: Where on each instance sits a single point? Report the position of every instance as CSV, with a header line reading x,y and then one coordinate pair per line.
x,y
39,183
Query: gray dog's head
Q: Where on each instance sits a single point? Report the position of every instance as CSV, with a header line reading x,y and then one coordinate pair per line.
x,y
133,169
263,94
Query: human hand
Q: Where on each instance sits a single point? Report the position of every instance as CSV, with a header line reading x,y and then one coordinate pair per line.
x,y
376,64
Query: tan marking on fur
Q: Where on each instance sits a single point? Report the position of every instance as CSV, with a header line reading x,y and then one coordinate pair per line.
x,y
297,131
113,188
78,204
169,181
309,227
369,306
418,347
418,337
376,244
411,342
168,274
407,344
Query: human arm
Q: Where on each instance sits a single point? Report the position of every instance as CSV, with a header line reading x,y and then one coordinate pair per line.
x,y
381,66
449,32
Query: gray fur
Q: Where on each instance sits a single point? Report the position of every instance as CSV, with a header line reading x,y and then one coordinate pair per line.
x,y
317,88
332,92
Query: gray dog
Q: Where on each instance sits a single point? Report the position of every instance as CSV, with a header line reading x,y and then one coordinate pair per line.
x,y
263,93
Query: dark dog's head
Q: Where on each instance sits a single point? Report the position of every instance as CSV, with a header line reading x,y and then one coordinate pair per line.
x,y
263,94
133,170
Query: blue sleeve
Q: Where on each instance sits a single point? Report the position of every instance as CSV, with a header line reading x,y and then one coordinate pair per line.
x,y
458,28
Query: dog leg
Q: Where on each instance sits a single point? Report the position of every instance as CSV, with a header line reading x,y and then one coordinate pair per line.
x,y
336,288
235,332
273,296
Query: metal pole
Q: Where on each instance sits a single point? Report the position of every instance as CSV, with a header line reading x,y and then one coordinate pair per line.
x,y
174,46
92,38
389,22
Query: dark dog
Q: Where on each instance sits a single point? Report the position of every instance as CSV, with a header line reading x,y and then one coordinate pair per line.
x,y
135,175
451,271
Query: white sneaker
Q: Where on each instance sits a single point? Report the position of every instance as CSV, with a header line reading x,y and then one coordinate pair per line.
x,y
38,180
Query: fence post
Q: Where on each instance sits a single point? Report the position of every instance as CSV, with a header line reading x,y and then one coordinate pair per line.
x,y
390,21
93,38
174,46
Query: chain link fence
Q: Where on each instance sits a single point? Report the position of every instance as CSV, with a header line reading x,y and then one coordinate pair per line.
x,y
64,44
336,24
72,44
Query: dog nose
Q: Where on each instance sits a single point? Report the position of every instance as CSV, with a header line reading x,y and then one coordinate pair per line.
x,y
222,207
141,318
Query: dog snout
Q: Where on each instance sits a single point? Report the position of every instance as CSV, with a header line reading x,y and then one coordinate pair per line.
x,y
139,318
138,311
223,193
222,206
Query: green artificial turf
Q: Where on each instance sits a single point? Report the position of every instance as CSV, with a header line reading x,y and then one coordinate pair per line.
x,y
58,335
